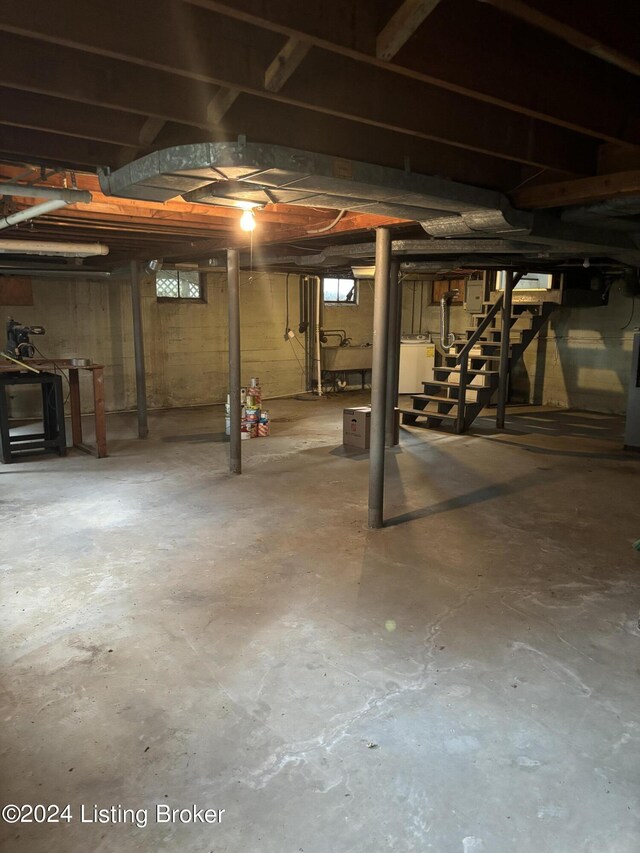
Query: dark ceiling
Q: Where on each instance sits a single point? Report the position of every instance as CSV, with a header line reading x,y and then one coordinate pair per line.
x,y
512,95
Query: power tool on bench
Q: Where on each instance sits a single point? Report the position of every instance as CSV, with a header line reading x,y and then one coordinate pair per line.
x,y
18,344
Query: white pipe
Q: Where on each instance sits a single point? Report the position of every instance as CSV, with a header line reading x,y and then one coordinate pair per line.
x,y
61,193
318,351
40,247
31,212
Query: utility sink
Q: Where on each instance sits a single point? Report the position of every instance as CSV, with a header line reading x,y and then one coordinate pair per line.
x,y
346,358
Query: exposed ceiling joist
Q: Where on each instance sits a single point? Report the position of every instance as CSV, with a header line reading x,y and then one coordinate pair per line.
x,y
220,104
285,63
402,25
505,81
452,117
567,33
580,191
372,101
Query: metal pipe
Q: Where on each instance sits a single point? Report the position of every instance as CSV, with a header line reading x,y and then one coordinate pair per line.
x,y
233,286
42,247
505,340
138,348
318,319
379,377
61,193
393,360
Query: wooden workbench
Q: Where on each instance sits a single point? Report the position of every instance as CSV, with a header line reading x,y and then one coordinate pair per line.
x,y
97,374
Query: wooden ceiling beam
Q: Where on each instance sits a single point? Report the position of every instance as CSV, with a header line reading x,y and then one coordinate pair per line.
x,y
371,98
580,191
567,33
182,102
492,82
402,25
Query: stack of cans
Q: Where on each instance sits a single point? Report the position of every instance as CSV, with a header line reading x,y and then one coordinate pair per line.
x,y
254,422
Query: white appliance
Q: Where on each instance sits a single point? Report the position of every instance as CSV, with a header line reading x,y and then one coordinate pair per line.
x,y
417,355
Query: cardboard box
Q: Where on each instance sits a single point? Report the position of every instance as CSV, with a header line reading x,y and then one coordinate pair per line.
x,y
356,427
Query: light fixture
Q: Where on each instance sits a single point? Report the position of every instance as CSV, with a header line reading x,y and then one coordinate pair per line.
x,y
247,221
363,271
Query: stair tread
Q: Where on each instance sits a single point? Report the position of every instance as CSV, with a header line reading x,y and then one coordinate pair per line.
x,y
475,372
426,414
442,383
439,399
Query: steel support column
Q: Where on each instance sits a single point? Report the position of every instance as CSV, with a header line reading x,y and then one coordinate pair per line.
x,y
393,360
379,377
505,340
138,348
233,287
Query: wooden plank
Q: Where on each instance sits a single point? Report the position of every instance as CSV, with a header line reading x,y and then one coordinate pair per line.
x,y
285,63
402,25
100,420
567,33
16,290
419,110
220,104
74,403
580,191
487,82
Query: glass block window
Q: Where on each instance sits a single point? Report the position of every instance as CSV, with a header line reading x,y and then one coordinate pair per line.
x,y
340,291
178,284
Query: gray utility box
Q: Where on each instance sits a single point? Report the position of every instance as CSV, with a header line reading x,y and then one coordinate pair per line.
x,y
474,297
356,427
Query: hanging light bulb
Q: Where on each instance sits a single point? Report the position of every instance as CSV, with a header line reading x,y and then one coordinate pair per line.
x,y
247,221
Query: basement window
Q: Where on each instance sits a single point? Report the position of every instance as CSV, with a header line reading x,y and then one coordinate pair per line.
x,y
340,291
179,284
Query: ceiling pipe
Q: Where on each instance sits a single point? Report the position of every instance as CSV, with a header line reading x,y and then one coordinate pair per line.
x,y
40,247
57,198
59,274
31,212
28,191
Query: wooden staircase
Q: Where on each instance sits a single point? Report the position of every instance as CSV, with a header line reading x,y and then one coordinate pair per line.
x,y
474,362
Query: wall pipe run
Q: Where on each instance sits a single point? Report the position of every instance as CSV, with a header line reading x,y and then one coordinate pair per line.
x,y
379,377
505,341
233,286
138,347
393,360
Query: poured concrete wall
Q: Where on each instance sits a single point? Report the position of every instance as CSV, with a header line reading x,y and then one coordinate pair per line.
x,y
185,343
582,359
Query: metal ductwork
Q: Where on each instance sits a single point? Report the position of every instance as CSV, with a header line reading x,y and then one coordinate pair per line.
x,y
237,174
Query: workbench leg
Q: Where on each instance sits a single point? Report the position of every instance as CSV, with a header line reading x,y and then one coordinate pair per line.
x,y
57,422
74,402
5,440
98,402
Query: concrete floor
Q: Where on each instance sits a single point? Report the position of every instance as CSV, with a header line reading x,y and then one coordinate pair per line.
x,y
464,680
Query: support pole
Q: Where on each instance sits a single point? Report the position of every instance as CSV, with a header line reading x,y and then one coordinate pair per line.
x,y
233,287
505,341
138,348
379,377
393,361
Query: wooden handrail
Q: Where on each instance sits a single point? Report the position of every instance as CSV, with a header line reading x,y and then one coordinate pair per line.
x,y
475,337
